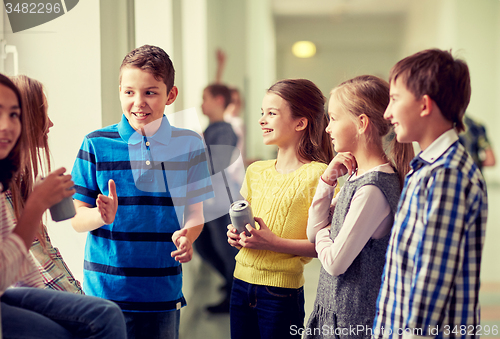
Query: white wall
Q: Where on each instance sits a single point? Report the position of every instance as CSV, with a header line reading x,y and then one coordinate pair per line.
x,y
471,30
64,54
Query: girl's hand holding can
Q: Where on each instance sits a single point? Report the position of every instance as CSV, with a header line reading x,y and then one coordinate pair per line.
x,y
52,189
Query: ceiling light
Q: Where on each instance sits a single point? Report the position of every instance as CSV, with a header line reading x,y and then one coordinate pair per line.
x,y
304,49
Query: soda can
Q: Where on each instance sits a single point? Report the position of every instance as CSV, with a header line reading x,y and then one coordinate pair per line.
x,y
241,214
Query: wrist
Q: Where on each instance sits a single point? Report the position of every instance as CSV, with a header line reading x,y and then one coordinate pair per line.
x,y
329,181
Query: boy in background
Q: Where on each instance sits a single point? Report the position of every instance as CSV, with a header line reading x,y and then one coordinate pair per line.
x,y
221,142
139,191
430,285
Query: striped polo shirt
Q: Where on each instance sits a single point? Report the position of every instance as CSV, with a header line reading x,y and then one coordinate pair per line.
x,y
156,176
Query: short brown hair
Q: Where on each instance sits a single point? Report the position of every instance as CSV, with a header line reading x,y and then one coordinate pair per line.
x,y
154,60
444,79
220,90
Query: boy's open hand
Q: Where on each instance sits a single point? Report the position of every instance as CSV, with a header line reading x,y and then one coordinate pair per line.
x,y
260,239
233,237
343,163
108,205
184,246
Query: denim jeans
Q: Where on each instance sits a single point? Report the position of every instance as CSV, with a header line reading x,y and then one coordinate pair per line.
x,y
153,325
38,313
263,312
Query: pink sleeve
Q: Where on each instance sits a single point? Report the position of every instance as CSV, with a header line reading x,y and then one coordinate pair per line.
x,y
321,209
15,262
363,221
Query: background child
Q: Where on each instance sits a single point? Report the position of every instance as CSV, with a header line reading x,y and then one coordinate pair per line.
x,y
161,180
33,312
268,294
430,285
212,243
49,261
352,249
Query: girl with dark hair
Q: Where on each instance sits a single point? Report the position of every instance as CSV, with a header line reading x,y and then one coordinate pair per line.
x,y
34,312
267,299
351,232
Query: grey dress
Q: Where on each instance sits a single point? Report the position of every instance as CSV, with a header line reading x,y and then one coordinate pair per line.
x,y
345,305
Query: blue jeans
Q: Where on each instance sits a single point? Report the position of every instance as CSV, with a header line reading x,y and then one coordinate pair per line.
x,y
152,325
263,312
39,313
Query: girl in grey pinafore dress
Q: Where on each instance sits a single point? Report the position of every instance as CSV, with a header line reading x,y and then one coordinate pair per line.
x,y
345,305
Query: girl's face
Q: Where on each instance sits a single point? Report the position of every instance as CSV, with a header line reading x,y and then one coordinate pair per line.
x,y
341,128
278,126
10,121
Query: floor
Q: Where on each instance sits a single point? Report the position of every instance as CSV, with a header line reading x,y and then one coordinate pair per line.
x,y
201,287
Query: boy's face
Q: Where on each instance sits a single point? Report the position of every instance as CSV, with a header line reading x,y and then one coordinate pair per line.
x,y
143,98
211,104
403,112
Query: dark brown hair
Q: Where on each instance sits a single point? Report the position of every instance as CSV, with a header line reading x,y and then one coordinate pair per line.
x,y
369,95
11,164
154,60
306,101
220,90
445,80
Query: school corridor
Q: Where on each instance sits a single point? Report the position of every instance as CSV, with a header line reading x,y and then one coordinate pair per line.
x,y
201,287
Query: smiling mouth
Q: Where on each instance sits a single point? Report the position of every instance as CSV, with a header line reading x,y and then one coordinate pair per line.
x,y
266,130
140,114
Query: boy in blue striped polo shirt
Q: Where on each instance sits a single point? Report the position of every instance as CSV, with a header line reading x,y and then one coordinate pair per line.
x,y
430,284
140,186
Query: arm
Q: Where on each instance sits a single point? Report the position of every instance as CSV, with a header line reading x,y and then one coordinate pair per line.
x,y
321,210
184,238
14,246
89,218
319,214
221,62
265,239
369,216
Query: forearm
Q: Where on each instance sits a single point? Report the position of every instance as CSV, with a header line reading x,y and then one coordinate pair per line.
x,y
29,221
87,219
12,258
300,247
319,212
194,221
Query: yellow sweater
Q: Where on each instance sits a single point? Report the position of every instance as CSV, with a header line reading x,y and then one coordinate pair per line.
x,y
282,201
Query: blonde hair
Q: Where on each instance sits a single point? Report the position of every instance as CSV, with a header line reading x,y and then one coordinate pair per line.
x,y
369,95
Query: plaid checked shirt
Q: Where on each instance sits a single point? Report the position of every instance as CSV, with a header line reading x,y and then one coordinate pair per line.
x,y
430,284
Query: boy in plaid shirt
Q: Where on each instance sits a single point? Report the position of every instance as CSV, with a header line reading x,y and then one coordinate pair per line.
x,y
430,284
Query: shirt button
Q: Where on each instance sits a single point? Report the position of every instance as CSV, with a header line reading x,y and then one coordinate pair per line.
x,y
147,143
148,162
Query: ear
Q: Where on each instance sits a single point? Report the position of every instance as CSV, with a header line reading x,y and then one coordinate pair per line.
x,y
301,124
427,105
172,95
363,123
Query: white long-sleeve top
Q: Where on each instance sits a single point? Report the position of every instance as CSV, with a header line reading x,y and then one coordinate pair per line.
x,y
15,262
369,216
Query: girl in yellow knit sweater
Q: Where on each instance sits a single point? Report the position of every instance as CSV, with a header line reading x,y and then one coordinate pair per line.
x,y
267,296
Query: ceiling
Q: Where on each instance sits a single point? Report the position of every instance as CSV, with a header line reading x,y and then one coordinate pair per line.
x,y
338,7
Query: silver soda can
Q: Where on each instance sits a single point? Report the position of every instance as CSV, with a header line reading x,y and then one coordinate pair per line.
x,y
241,214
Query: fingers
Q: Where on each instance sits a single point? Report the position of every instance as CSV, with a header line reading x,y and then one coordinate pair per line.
x,y
111,188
